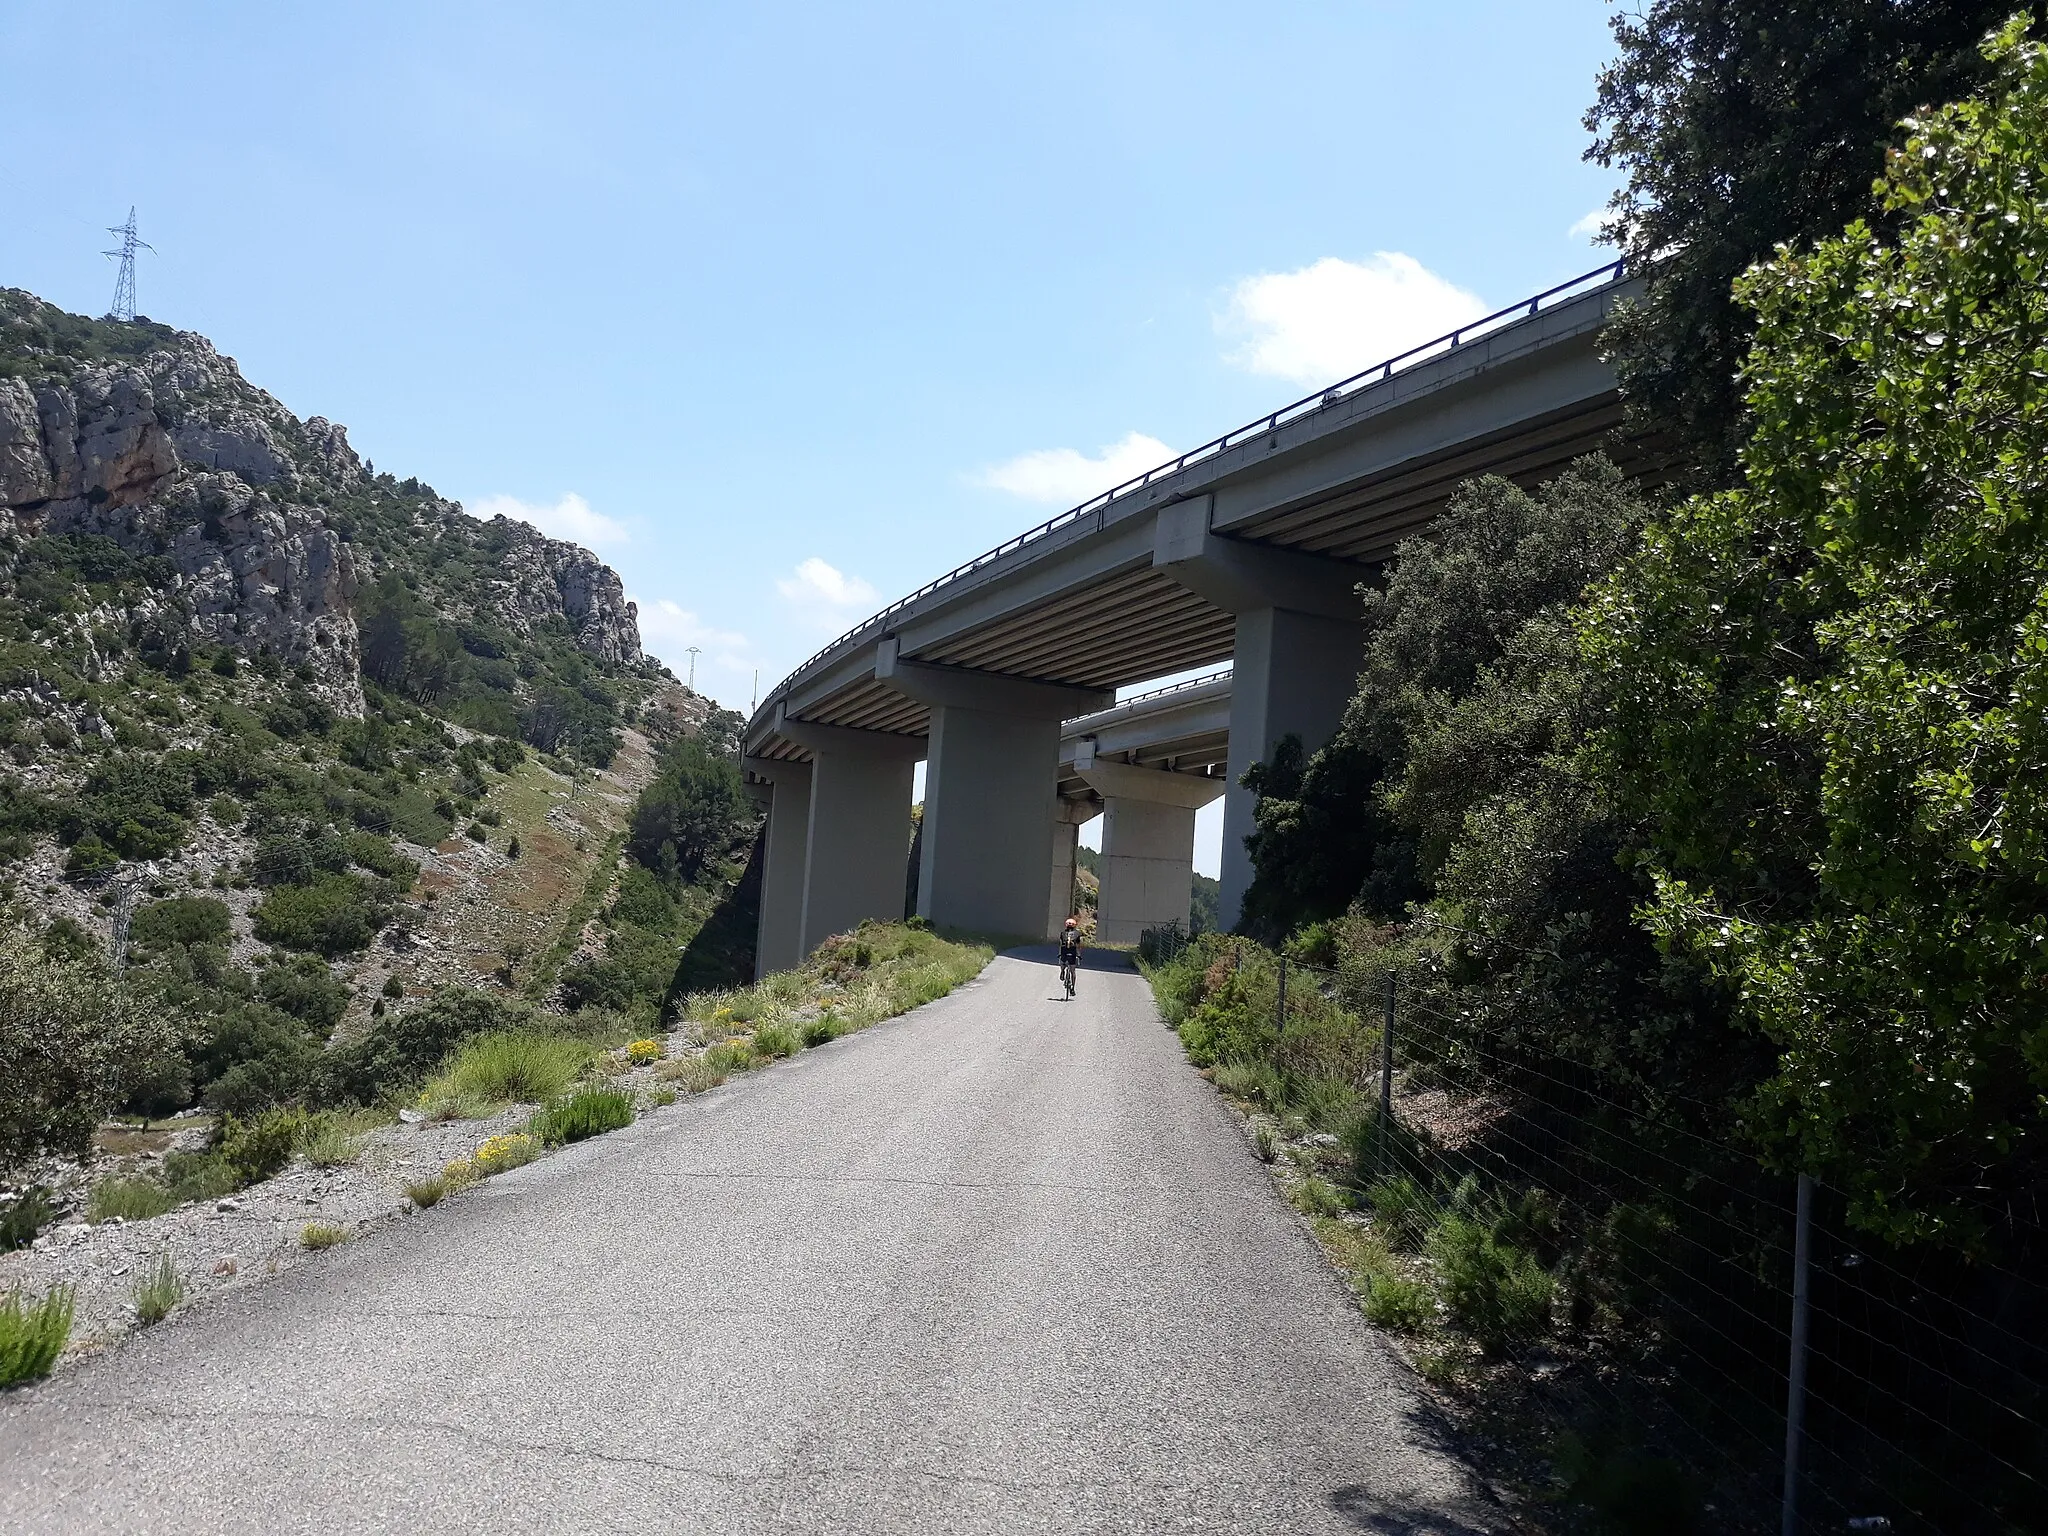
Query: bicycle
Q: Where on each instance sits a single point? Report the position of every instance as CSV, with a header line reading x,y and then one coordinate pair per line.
x,y
1067,978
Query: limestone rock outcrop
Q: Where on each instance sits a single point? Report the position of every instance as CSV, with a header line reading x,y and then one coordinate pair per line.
x,y
173,454
545,578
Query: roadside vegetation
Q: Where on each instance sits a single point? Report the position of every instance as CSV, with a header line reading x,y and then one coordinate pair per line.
x,y
1695,829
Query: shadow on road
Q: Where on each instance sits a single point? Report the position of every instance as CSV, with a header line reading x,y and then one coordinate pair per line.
x,y
1367,1511
1048,955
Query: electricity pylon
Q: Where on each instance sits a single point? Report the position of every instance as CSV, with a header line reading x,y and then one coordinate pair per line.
x,y
124,284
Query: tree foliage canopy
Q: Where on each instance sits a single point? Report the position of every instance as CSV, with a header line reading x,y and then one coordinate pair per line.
x,y
1741,125
1830,686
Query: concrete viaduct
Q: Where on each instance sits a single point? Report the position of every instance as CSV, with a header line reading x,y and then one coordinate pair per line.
x,y
1001,675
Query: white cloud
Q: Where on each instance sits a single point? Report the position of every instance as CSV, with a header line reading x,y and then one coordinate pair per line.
x,y
570,518
668,629
1334,317
1068,477
1590,226
826,595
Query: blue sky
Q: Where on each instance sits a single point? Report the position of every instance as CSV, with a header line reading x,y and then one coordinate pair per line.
x,y
784,310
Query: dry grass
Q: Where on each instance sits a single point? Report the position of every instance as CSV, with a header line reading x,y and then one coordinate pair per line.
x,y
316,1236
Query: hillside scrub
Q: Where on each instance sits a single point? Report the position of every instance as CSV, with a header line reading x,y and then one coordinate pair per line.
x,y
688,844
876,972
75,1039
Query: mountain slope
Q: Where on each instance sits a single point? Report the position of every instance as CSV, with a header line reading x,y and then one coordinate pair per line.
x,y
281,707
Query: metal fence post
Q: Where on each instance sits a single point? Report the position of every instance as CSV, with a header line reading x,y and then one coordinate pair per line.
x,y
1387,1081
1795,1389
1280,1013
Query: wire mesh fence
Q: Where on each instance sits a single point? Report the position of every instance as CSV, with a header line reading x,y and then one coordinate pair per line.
x,y
1685,1328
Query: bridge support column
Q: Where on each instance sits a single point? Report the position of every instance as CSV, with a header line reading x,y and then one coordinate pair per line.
x,y
778,934
989,786
1148,846
1300,642
1066,839
859,828
1293,675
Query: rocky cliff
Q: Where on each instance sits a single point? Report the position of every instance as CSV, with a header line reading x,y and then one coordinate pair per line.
x,y
148,437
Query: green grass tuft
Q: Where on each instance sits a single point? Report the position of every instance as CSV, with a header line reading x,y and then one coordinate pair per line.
x,y
591,1112
776,1040
426,1192
130,1199
513,1067
317,1235
693,1074
157,1290
32,1336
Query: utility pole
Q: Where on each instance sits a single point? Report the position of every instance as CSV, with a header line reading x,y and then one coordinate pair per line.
x,y
692,684
124,283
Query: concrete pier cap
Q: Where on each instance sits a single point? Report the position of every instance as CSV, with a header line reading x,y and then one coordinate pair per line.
x,y
989,788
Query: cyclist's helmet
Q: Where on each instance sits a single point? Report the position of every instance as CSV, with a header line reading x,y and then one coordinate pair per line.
x,y
1073,922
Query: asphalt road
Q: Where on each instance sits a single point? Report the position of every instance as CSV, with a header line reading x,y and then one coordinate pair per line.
x,y
1004,1264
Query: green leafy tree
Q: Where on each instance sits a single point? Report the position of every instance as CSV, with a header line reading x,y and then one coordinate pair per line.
x,y
1457,595
74,1041
1741,124
695,811
1831,685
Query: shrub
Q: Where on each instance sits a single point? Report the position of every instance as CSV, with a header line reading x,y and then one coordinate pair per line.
x,y
328,1143
694,1074
460,1174
393,987
774,1041
129,1199
1392,1302
307,990
507,1151
182,920
74,1038
403,1047
25,1217
641,1052
591,1112
157,1289
1265,1143
661,1098
426,1192
31,1337
730,1056
823,1030
1493,1290
476,833
260,1149
334,915
316,1235
513,1067
199,1176
1403,1211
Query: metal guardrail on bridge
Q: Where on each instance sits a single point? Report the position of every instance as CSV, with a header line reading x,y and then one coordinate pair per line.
x,y
1307,405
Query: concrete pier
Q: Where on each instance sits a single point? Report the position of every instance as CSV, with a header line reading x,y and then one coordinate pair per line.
x,y
988,791
858,835
778,936
1299,643
1148,846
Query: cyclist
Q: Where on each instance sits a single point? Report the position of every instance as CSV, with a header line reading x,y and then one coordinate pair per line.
x,y
1070,953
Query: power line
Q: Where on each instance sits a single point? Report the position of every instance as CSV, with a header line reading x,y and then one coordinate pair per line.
x,y
124,283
